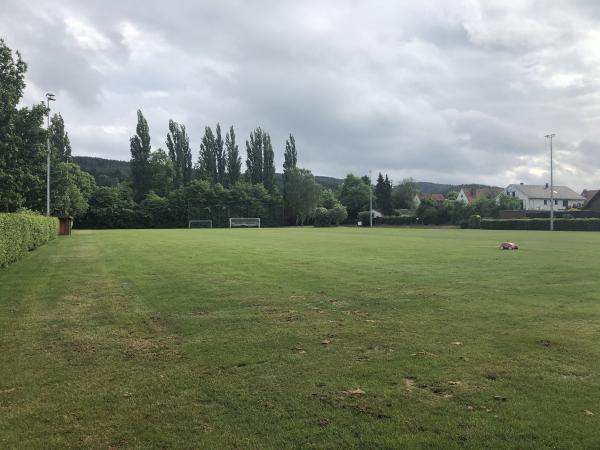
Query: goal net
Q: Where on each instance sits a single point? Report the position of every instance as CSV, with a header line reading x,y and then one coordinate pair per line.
x,y
244,222
200,224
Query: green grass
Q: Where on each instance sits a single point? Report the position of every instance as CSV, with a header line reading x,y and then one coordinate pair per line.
x,y
255,338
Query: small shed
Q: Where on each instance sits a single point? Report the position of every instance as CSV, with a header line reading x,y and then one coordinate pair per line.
x,y
65,224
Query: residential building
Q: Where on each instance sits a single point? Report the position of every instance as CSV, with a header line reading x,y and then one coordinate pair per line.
x,y
469,195
538,197
592,200
426,196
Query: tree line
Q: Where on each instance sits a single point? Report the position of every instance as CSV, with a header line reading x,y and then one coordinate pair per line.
x,y
167,187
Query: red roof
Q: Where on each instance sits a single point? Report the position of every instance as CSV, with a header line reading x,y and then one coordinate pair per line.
x,y
473,193
432,197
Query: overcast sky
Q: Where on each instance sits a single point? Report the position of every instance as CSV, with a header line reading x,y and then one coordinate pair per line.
x,y
449,91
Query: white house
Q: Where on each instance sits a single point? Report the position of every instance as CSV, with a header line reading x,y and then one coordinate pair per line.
x,y
538,197
469,195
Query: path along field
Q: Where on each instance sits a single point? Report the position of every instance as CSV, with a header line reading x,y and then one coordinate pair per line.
x,y
321,338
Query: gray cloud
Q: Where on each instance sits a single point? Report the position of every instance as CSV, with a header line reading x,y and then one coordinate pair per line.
x,y
458,91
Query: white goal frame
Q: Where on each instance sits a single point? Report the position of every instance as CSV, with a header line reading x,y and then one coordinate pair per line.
x,y
244,222
207,222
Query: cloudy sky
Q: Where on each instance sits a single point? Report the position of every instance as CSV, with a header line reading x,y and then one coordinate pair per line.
x,y
448,91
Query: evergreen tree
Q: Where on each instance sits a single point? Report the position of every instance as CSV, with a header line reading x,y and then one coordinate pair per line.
x,y
268,164
220,156
254,158
140,155
234,162
387,204
383,194
207,159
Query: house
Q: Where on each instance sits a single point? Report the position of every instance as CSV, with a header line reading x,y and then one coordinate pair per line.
x,y
538,197
469,195
592,200
419,197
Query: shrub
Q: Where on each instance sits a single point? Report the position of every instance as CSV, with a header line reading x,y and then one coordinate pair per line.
x,y
541,224
363,216
475,221
338,214
322,217
22,232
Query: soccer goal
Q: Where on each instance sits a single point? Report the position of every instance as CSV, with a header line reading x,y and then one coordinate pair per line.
x,y
200,224
244,222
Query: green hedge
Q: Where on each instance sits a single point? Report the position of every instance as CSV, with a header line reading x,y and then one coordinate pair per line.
x,y
20,233
541,224
387,220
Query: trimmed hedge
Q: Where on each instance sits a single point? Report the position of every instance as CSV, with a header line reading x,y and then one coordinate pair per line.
x,y
20,233
387,220
541,224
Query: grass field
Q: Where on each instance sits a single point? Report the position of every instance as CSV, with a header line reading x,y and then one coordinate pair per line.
x,y
314,338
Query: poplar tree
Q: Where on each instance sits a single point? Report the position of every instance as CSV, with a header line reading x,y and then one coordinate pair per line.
x,y
139,145
207,159
221,162
268,176
254,157
178,144
234,162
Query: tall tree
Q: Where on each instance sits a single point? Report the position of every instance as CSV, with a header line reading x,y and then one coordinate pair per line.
x,y
220,155
290,157
254,157
268,177
354,195
234,162
404,193
140,155
60,146
161,172
22,139
303,194
178,144
383,194
207,159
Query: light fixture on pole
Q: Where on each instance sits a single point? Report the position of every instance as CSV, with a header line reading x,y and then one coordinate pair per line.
x,y
551,137
49,98
370,200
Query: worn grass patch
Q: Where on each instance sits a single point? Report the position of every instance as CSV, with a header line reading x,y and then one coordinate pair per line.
x,y
313,338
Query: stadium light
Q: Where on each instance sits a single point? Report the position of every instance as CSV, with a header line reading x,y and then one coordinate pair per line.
x,y
370,199
49,98
551,137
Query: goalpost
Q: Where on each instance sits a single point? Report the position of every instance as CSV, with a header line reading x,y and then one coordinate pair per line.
x,y
244,222
200,224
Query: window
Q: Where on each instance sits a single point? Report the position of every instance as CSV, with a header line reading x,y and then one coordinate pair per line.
x,y
556,202
545,202
565,203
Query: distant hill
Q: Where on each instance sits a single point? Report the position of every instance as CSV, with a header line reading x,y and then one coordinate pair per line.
x,y
109,172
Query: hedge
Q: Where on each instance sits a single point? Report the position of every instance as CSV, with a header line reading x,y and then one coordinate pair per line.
x,y
541,224
20,233
387,220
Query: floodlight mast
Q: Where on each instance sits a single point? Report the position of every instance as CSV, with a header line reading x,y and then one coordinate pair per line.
x,y
370,199
49,98
551,137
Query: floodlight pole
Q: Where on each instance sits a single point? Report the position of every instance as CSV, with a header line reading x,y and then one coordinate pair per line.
x,y
370,200
49,98
551,137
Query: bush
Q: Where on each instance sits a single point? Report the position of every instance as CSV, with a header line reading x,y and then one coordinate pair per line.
x,y
475,221
363,216
338,214
22,232
322,217
541,224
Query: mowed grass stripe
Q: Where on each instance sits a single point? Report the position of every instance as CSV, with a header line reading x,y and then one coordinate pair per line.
x,y
257,339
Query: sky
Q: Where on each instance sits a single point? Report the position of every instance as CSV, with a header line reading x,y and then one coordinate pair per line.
x,y
458,91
